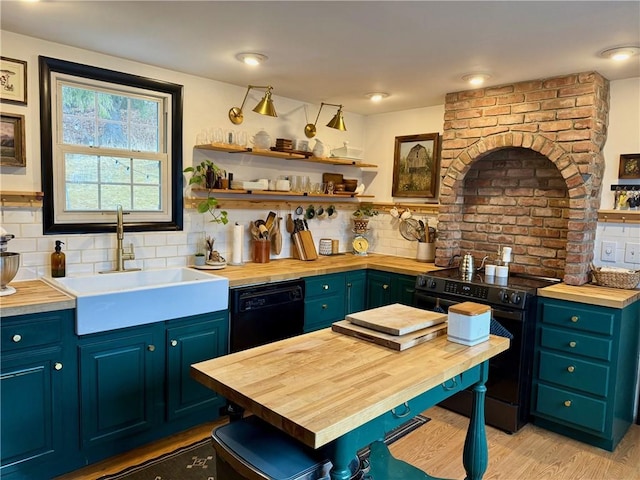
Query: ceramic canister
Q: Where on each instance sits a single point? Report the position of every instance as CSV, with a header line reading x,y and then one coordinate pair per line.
x,y
325,246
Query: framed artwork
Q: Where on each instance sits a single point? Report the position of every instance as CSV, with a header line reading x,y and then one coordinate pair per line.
x,y
12,140
13,81
629,166
416,166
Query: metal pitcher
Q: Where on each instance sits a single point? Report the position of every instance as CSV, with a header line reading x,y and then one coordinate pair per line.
x,y
466,265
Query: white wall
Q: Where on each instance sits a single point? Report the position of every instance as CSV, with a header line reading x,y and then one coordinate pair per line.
x,y
206,104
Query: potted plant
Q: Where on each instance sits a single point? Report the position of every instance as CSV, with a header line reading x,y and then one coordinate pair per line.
x,y
362,215
206,175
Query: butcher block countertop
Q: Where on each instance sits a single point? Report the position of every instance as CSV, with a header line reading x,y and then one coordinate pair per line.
x,y
592,295
34,296
288,268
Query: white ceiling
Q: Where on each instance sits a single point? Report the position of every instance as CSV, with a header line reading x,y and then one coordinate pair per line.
x,y
337,51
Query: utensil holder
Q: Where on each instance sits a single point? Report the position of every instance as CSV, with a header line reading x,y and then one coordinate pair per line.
x,y
261,251
426,252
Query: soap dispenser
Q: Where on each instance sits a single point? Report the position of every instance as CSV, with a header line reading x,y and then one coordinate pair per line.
x,y
58,262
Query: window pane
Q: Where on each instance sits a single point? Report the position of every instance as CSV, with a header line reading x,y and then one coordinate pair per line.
x,y
82,197
146,171
115,170
78,116
79,168
113,195
146,198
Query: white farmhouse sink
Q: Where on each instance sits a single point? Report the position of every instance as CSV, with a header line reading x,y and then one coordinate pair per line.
x,y
125,299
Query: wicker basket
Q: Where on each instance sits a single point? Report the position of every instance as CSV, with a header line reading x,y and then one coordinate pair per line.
x,y
616,279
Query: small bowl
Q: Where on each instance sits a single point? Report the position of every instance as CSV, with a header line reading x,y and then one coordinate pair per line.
x,y
350,185
9,263
339,187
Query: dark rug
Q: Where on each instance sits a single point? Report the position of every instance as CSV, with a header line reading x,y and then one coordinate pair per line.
x,y
198,461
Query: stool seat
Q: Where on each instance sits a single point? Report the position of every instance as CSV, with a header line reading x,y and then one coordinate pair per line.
x,y
252,449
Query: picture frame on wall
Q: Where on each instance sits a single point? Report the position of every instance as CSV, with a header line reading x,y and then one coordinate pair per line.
x,y
13,81
629,165
416,166
12,144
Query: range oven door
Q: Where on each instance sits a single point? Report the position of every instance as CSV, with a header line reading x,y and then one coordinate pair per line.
x,y
509,382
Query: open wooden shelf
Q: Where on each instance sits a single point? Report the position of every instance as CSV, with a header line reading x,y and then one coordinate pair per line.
x,y
286,155
9,198
619,216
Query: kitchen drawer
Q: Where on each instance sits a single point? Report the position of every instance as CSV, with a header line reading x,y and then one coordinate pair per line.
x,y
572,373
565,406
587,319
324,285
577,343
36,330
322,312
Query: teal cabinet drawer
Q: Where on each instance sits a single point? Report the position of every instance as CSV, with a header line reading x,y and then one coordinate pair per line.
x,y
572,373
591,319
571,407
32,331
324,285
322,312
577,343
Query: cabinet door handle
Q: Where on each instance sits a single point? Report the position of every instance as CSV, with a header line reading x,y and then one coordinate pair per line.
x,y
57,366
349,285
572,344
575,318
325,287
151,348
324,306
16,338
567,403
174,343
385,286
571,369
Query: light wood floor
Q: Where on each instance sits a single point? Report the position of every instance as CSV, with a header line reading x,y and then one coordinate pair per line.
x,y
532,453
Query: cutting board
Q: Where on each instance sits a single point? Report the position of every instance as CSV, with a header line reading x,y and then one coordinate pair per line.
x,y
395,342
396,319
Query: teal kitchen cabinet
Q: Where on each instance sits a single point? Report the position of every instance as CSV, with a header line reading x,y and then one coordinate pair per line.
x,y
356,291
38,395
201,338
324,300
135,383
584,371
385,288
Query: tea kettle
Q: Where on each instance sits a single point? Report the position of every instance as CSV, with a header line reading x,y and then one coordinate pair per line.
x,y
466,265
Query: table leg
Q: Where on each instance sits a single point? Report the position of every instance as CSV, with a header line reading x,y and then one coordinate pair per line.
x,y
343,453
475,457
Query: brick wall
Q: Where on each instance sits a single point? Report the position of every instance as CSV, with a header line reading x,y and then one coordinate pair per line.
x,y
522,166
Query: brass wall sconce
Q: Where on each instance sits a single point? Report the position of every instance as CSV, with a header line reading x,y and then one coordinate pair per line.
x,y
264,107
336,122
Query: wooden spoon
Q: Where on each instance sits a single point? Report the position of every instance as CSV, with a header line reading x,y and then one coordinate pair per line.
x,y
289,222
276,237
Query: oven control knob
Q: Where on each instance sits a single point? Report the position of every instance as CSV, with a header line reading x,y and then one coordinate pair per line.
x,y
515,298
432,283
504,296
421,281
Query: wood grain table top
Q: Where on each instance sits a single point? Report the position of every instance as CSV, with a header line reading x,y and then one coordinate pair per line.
x,y
321,385
592,295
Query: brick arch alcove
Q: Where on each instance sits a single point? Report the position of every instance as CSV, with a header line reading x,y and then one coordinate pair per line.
x,y
522,166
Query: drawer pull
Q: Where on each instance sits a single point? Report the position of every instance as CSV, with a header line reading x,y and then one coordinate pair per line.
x,y
174,343
16,338
325,306
407,411
454,384
325,287
151,348
57,366
571,369
575,318
385,286
572,344
567,403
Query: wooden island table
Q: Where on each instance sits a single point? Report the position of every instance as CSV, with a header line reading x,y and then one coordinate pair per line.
x,y
341,393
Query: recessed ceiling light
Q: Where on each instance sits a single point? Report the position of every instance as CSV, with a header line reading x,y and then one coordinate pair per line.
x,y
620,54
251,58
476,79
376,96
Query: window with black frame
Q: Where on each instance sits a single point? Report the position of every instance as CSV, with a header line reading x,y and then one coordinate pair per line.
x,y
109,138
